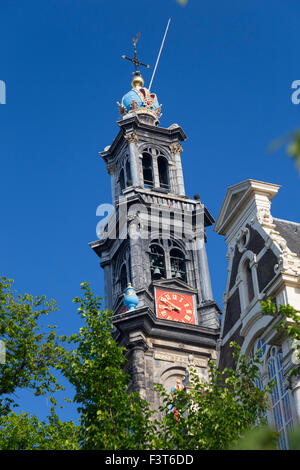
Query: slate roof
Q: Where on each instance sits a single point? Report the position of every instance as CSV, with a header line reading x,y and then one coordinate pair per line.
x,y
290,231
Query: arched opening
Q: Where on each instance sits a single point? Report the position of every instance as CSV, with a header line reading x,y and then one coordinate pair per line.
x,y
157,262
147,170
129,269
178,264
128,174
123,277
249,288
163,172
122,180
280,398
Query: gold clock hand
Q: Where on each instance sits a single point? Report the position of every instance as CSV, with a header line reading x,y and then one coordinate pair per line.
x,y
172,305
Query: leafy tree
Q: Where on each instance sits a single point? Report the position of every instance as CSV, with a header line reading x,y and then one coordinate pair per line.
x,y
22,432
259,438
32,352
292,142
214,413
293,149
289,322
110,417
264,438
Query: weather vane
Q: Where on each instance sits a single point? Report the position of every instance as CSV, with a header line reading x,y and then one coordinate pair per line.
x,y
135,60
138,79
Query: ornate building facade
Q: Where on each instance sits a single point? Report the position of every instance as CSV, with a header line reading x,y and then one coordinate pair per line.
x,y
263,261
152,250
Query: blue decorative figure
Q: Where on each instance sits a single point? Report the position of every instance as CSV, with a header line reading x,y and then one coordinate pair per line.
x,y
131,300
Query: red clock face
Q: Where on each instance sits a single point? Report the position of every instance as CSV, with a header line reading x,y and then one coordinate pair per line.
x,y
175,306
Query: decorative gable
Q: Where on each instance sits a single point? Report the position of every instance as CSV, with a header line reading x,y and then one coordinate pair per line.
x,y
175,284
237,198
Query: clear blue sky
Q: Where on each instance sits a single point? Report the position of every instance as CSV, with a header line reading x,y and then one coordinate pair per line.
x,y
225,76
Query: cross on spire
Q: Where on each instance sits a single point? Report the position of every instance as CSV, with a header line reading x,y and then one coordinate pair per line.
x,y
135,60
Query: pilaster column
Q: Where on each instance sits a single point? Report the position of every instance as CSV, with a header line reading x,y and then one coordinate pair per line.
x,y
108,288
295,389
176,150
205,283
132,140
156,182
138,367
137,251
111,171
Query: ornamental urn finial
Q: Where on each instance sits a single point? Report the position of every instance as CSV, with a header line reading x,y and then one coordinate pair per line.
x,y
130,300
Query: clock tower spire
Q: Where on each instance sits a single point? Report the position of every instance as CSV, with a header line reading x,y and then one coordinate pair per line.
x,y
155,240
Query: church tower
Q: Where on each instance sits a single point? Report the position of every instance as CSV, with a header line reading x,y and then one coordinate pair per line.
x,y
154,240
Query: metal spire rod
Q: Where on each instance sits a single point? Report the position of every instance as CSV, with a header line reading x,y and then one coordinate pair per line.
x,y
162,45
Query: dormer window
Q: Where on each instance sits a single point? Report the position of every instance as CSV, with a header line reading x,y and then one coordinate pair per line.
x,y
247,280
249,288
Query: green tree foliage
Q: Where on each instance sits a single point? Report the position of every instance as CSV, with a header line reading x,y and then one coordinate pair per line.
x,y
259,438
288,322
213,414
110,417
22,432
291,141
293,149
32,351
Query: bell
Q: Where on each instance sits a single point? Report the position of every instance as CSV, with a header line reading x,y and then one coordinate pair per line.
x,y
156,273
178,275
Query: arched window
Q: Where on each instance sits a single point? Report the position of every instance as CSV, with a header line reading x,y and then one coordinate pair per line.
x,y
122,180
147,170
128,174
280,399
178,264
123,277
157,261
260,346
249,288
163,172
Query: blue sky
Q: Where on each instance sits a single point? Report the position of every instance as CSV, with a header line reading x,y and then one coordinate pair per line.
x,y
225,76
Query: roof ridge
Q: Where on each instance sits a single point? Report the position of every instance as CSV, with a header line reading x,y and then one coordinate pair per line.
x,y
288,221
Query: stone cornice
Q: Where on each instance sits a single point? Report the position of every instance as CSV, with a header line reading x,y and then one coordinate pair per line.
x,y
144,320
134,125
